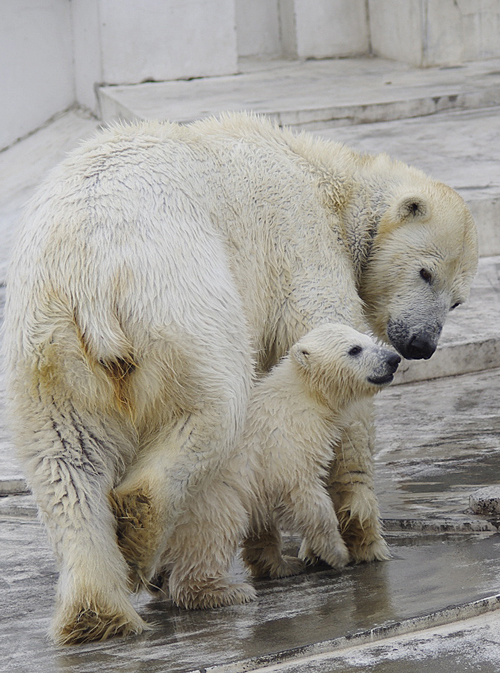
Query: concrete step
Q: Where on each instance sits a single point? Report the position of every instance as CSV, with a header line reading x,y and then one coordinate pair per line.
x,y
297,623
313,94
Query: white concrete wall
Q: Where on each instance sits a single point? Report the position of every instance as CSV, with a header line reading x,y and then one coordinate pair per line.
x,y
167,39
435,32
331,28
131,41
36,64
54,52
258,28
302,28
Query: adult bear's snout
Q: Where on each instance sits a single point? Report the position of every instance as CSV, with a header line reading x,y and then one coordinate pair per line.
x,y
413,345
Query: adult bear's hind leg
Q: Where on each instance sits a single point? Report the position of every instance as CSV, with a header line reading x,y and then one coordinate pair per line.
x,y
71,459
179,461
263,555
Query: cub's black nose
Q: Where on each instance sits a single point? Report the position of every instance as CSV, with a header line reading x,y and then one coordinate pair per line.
x,y
393,361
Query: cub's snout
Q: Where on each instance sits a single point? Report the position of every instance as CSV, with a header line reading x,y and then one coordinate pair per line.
x,y
386,366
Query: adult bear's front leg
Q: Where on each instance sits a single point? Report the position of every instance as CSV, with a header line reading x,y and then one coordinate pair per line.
x,y
350,484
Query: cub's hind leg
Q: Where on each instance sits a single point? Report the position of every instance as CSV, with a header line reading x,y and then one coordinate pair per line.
x,y
263,555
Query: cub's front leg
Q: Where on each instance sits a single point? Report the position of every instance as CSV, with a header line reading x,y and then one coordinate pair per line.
x,y
350,485
310,511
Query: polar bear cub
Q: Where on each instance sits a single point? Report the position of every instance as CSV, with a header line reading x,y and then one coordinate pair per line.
x,y
295,418
275,478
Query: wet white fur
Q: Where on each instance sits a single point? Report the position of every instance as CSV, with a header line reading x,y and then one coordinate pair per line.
x,y
155,266
295,416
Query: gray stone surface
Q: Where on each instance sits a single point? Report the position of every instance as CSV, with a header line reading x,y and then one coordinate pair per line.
x,y
486,501
313,94
299,616
437,442
465,645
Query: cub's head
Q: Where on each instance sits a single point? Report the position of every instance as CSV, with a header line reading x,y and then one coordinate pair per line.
x,y
342,364
421,265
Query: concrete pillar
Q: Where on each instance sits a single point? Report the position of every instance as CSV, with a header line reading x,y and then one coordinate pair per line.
x,y
132,41
324,28
258,28
87,51
435,32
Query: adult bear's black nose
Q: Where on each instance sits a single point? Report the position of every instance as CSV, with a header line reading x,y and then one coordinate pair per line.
x,y
419,348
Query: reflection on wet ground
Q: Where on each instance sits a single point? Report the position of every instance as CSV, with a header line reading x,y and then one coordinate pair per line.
x,y
425,574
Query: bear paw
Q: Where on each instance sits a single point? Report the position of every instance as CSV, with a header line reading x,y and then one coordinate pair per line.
x,y
368,551
91,622
286,567
208,593
363,538
337,556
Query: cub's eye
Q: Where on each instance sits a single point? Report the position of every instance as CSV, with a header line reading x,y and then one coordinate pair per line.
x,y
455,305
426,275
355,350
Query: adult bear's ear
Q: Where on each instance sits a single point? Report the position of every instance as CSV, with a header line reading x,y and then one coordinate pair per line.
x,y
300,354
413,208
410,208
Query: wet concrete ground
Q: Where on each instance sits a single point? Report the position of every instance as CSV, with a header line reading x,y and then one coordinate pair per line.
x,y
470,645
289,619
438,441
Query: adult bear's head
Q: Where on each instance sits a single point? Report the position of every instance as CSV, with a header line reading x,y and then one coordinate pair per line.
x,y
421,265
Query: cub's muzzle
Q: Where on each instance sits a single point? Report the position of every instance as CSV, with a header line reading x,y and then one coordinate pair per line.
x,y
388,366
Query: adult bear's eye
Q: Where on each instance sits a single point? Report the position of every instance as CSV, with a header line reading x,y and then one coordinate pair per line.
x,y
455,305
355,350
426,275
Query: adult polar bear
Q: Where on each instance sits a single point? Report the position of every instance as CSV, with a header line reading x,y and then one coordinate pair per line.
x,y
156,264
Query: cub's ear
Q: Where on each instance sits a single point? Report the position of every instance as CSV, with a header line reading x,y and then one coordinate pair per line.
x,y
411,208
300,354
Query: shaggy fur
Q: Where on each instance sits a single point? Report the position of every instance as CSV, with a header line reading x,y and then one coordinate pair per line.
x,y
154,266
295,416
